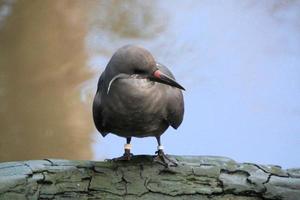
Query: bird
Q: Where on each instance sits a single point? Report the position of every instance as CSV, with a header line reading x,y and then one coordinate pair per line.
x,y
137,97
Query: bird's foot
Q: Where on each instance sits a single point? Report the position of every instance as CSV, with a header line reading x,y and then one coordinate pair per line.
x,y
126,156
162,159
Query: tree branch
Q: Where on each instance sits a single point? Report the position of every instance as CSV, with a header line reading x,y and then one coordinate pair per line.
x,y
196,177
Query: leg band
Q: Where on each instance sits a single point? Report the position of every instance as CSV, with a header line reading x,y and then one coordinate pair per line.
x,y
160,147
127,146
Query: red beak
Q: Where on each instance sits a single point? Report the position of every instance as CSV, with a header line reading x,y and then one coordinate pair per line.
x,y
158,76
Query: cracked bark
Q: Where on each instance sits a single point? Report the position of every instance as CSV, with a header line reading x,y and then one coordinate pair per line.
x,y
196,177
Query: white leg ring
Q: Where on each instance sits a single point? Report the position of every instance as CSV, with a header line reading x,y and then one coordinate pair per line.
x,y
127,146
160,147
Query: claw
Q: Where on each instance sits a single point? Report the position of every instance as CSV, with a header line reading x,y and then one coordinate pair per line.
x,y
162,159
126,156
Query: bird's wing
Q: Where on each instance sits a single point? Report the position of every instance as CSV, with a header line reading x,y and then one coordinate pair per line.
x,y
98,107
175,109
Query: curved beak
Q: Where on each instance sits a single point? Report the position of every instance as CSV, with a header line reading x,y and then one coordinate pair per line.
x,y
158,76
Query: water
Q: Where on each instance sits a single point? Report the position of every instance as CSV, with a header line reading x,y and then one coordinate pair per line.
x,y
42,59
239,62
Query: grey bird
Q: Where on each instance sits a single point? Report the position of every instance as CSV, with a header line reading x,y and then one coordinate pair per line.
x,y
137,97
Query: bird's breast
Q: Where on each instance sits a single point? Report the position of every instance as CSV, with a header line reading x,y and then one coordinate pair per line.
x,y
138,104
135,94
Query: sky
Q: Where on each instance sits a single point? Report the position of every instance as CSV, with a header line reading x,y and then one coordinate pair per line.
x,y
240,64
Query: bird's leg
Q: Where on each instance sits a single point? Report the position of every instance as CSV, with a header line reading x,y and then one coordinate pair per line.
x,y
127,148
161,157
127,155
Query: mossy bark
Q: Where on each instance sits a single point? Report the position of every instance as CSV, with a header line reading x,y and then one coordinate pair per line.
x,y
195,177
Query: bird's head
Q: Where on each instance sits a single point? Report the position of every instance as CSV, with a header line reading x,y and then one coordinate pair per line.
x,y
133,60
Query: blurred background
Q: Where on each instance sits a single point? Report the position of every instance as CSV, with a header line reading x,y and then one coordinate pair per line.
x,y
238,60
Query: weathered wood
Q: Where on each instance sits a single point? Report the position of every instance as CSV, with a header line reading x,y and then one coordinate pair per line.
x,y
196,177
